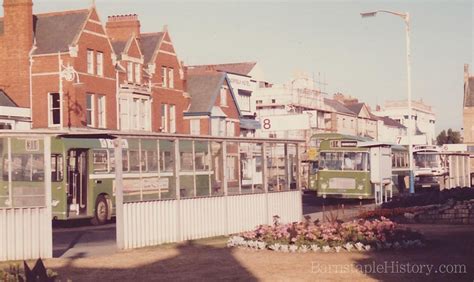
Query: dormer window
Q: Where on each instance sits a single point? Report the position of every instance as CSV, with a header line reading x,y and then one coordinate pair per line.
x,y
130,72
223,97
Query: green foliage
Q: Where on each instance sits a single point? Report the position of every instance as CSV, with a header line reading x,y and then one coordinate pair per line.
x,y
449,137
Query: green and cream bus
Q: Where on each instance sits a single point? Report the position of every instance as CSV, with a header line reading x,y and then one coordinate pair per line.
x,y
341,166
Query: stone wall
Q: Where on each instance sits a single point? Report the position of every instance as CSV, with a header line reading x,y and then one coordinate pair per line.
x,y
460,212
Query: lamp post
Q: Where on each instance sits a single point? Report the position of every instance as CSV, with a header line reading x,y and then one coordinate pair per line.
x,y
406,19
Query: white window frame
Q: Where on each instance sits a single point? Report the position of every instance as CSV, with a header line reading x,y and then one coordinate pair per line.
x,y
135,112
223,97
101,111
164,77
129,71
164,117
138,73
215,126
172,118
91,110
90,61
100,63
195,127
51,109
171,77
124,113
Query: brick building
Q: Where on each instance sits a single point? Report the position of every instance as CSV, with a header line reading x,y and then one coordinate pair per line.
x,y
214,109
72,72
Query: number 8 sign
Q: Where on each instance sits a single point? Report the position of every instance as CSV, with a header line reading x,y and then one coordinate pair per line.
x,y
267,124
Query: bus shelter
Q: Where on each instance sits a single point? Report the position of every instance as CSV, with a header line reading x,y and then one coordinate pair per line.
x,y
203,187
25,196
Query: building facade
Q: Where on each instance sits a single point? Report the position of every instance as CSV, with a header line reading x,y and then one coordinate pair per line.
x,y
423,119
214,109
73,72
245,79
468,106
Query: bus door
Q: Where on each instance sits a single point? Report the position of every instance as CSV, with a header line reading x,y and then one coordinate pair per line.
x,y
77,181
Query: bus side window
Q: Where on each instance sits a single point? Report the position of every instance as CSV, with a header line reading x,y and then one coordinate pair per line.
x,y
57,168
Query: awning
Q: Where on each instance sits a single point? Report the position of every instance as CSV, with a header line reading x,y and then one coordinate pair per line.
x,y
250,124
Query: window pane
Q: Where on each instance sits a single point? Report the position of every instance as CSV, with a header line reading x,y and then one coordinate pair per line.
x,y
152,160
100,160
134,161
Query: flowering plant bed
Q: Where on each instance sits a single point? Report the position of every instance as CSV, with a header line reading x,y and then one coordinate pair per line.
x,y
389,213
357,235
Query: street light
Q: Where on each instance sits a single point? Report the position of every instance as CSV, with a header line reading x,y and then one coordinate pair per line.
x,y
406,19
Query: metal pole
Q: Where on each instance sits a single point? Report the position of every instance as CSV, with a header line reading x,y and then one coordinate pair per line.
x,y
60,62
410,121
48,241
119,193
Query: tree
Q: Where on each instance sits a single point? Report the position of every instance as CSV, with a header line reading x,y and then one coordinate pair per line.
x,y
450,137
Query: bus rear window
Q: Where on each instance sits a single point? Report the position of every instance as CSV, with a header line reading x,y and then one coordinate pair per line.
x,y
24,167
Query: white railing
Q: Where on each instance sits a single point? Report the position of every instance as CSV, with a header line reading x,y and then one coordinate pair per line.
x,y
158,222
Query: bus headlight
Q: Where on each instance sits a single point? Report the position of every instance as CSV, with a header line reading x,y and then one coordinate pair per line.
x,y
324,186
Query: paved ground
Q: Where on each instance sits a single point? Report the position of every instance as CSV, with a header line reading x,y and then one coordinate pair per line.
x,y
80,239
209,260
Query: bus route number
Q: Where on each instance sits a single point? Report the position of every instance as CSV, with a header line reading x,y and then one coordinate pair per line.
x,y
267,124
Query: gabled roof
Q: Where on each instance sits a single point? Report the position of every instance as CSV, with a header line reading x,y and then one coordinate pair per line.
x,y
235,68
356,108
6,101
55,32
338,106
149,42
118,46
391,122
204,87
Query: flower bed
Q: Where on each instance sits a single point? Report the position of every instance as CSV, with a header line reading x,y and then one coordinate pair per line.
x,y
359,235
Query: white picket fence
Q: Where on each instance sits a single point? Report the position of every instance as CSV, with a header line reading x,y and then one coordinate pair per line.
x,y
157,222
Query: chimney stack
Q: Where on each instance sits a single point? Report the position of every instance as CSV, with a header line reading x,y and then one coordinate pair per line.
x,y
17,42
121,27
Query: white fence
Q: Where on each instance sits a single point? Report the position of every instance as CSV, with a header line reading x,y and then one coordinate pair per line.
x,y
25,217
157,222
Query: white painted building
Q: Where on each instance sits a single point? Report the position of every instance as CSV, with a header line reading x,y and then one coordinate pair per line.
x,y
423,118
11,116
292,110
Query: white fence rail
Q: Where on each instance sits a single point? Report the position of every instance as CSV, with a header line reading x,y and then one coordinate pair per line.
x,y
25,234
157,222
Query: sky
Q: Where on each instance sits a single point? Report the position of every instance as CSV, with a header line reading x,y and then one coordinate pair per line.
x,y
364,58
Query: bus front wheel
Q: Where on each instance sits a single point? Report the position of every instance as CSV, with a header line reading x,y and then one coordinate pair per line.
x,y
101,213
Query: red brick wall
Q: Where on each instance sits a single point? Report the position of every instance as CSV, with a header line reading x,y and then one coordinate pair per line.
x,y
17,43
74,99
169,96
